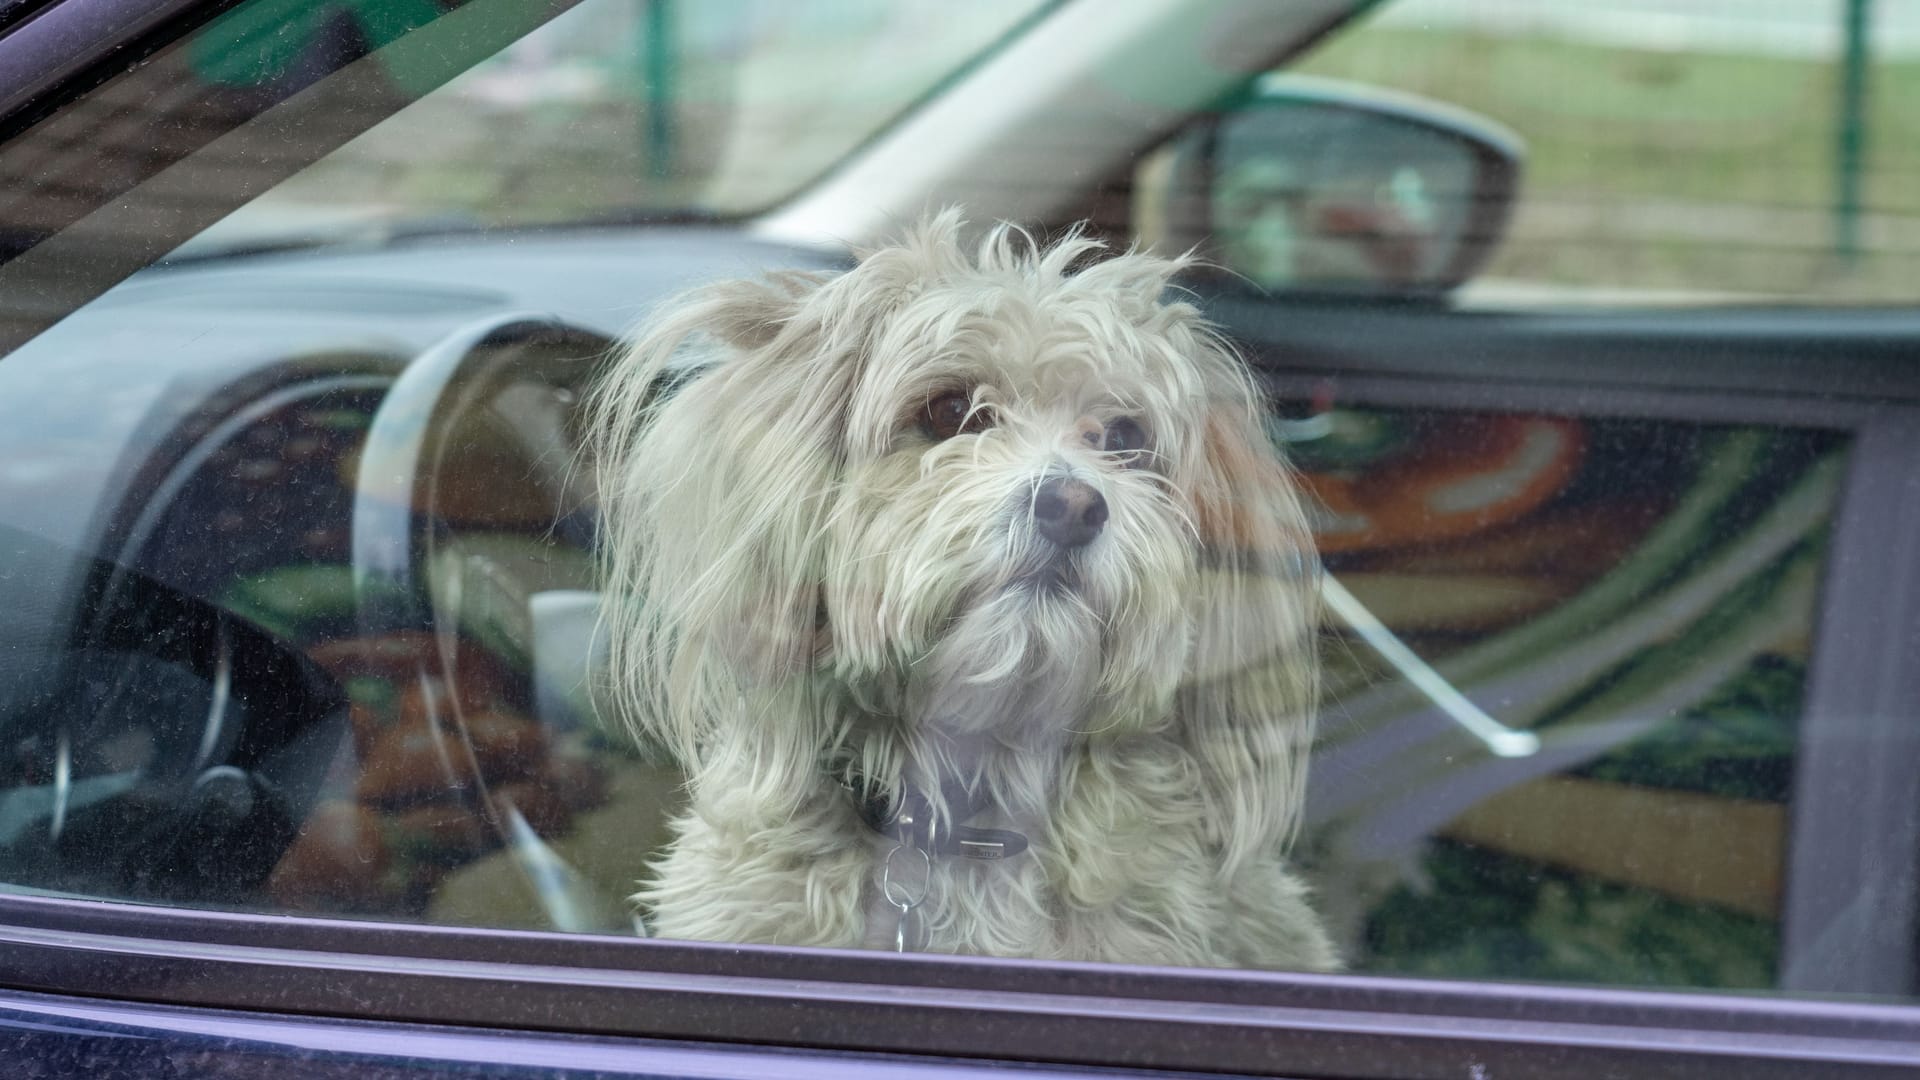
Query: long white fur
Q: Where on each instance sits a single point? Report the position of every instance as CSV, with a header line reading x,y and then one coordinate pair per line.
x,y
805,586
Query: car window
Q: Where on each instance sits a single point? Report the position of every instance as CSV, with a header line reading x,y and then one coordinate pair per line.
x,y
1634,602
318,488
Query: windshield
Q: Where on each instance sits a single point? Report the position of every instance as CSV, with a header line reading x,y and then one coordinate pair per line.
x,y
618,110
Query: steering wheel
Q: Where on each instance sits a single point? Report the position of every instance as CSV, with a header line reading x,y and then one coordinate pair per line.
x,y
156,746
472,507
500,392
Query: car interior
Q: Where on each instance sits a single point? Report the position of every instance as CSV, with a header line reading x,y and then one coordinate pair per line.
x,y
299,610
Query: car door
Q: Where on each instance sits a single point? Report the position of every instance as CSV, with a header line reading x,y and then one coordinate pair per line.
x,y
186,445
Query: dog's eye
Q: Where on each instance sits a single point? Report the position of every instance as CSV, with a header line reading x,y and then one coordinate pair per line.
x,y
1123,436
951,414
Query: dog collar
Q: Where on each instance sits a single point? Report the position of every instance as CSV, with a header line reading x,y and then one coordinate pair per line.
x,y
909,819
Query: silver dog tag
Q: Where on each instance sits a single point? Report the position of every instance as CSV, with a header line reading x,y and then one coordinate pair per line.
x,y
899,890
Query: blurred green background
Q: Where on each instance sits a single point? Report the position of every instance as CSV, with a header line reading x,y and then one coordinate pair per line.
x,y
1679,145
1679,151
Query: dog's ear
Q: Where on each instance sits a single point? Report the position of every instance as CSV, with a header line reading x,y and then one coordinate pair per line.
x,y
714,496
749,314
712,499
1246,703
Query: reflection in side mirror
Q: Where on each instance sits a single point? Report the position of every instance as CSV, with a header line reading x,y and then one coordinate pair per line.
x,y
1311,185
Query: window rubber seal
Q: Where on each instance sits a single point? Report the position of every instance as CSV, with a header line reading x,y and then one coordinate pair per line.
x,y
1082,1014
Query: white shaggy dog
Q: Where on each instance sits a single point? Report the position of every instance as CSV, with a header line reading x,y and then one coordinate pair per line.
x,y
976,605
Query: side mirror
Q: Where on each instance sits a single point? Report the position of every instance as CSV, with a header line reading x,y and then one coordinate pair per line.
x,y
1309,185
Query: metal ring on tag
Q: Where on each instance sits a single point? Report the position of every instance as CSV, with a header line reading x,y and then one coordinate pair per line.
x,y
910,933
905,899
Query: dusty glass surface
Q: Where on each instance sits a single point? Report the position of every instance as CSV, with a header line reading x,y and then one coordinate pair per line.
x,y
1638,597
1564,653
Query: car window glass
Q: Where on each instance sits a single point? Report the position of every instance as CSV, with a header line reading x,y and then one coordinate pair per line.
x,y
1633,604
337,643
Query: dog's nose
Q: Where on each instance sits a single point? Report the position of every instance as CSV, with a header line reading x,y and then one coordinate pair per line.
x,y
1068,512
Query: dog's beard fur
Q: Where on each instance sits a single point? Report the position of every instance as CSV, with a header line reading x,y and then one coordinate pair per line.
x,y
808,588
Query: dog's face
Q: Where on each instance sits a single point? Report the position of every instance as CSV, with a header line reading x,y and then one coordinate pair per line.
x,y
972,490
1013,512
